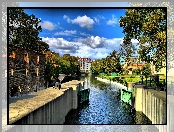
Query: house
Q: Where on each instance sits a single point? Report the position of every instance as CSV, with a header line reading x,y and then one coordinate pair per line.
x,y
133,64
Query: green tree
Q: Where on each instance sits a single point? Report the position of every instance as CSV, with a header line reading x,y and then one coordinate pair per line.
x,y
146,70
108,65
42,46
96,67
49,72
24,29
137,71
115,62
148,26
4,23
69,65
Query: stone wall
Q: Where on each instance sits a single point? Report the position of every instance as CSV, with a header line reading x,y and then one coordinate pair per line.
x,y
48,106
152,103
26,69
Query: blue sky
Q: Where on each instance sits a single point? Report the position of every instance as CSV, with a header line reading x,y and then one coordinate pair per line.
x,y
92,33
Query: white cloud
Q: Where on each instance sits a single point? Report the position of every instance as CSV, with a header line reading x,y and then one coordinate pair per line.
x,y
94,47
96,20
48,25
66,33
84,34
67,18
83,21
112,21
60,45
93,42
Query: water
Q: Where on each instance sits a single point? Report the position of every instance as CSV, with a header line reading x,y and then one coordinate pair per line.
x,y
104,107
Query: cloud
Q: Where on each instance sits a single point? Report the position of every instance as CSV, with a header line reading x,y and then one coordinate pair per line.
x,y
61,45
84,34
67,18
112,21
93,42
48,25
66,33
98,18
83,21
94,47
58,25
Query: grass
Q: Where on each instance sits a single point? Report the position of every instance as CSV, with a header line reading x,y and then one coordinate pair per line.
x,y
133,78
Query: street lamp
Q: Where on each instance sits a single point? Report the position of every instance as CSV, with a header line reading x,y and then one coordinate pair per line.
x,y
61,77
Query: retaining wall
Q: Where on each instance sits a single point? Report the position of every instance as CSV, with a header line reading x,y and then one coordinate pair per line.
x,y
48,106
149,101
152,103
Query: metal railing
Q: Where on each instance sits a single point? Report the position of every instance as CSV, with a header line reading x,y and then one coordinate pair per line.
x,y
154,81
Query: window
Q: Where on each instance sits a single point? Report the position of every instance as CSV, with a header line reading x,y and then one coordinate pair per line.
x,y
37,61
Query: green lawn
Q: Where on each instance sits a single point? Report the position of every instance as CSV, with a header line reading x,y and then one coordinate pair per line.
x,y
133,78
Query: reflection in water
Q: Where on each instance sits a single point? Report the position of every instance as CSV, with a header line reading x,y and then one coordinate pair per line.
x,y
104,107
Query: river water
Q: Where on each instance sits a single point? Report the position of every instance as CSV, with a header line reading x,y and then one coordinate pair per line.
x,y
104,107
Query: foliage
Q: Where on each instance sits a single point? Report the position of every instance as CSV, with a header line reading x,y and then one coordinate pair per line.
x,y
146,70
4,23
96,67
24,30
170,22
136,71
108,65
65,64
49,71
148,26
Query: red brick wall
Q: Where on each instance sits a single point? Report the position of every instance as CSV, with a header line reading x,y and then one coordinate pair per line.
x,y
20,63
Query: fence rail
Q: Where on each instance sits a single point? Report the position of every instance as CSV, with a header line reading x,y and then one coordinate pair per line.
x,y
154,81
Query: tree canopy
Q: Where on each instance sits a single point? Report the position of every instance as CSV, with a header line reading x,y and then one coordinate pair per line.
x,y
148,26
108,65
56,65
24,30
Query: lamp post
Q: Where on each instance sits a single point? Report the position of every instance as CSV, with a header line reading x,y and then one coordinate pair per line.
x,y
61,77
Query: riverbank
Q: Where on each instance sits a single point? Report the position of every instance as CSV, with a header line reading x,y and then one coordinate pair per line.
x,y
119,85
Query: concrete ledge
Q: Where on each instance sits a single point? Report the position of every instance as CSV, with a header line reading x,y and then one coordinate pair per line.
x,y
47,98
151,102
21,108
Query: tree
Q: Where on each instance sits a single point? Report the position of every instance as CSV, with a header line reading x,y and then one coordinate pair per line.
x,y
24,29
49,72
136,71
115,62
4,22
97,67
108,65
148,26
42,46
146,70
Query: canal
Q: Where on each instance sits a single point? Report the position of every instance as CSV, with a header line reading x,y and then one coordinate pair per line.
x,y
104,107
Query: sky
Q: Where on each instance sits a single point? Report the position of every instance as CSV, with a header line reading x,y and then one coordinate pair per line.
x,y
90,33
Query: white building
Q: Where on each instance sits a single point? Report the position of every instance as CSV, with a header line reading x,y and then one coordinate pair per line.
x,y
85,64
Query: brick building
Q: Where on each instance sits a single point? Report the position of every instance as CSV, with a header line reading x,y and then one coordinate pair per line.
x,y
26,69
